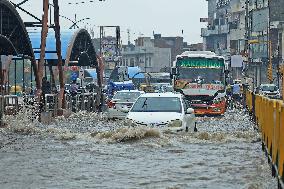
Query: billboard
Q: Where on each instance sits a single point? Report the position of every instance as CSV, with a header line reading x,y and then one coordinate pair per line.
x,y
277,11
237,61
260,20
110,50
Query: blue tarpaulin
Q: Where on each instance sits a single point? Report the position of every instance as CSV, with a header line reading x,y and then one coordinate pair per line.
x,y
134,70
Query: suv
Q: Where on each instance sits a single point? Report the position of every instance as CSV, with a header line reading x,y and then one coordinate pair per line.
x,y
269,90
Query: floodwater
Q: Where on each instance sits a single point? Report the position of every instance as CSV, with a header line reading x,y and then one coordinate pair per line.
x,y
87,151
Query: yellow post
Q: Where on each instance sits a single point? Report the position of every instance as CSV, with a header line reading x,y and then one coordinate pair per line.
x,y
281,142
269,70
282,71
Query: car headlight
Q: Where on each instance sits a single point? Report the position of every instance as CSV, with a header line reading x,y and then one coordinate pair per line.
x,y
175,123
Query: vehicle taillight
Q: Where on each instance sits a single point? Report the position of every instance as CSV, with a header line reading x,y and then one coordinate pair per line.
x,y
111,104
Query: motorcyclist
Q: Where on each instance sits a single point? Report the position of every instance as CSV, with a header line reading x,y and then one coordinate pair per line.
x,y
236,92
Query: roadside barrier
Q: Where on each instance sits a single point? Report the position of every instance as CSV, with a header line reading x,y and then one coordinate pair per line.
x,y
11,104
68,101
51,104
1,109
269,117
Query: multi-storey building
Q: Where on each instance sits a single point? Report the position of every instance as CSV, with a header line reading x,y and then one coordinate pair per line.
x,y
146,55
227,32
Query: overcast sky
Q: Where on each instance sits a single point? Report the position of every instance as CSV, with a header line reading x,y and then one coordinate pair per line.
x,y
142,17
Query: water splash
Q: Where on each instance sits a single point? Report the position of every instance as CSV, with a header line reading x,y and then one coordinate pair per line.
x,y
128,134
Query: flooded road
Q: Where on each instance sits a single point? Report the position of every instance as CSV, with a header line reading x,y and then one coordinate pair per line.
x,y
86,151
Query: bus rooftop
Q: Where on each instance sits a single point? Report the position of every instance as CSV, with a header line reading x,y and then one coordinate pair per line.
x,y
204,54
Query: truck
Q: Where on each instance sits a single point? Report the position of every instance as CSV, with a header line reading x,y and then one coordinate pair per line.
x,y
200,77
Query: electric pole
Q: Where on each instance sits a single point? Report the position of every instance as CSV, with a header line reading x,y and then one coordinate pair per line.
x,y
58,50
44,32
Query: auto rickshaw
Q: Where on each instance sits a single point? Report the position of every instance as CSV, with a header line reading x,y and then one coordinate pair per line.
x,y
16,90
147,88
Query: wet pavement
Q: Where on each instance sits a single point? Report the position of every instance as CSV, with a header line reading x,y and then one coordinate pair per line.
x,y
87,151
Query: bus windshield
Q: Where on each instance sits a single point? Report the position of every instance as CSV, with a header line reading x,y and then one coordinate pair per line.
x,y
201,70
204,75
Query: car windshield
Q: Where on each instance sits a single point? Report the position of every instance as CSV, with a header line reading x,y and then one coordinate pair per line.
x,y
269,88
126,96
157,104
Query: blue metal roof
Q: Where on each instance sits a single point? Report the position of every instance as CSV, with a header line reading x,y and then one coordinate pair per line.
x,y
66,37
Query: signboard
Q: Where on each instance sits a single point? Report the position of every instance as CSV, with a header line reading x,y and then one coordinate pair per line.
x,y
201,63
260,20
204,19
276,10
236,61
109,49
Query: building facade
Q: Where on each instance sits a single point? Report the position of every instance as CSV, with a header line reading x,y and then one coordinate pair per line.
x,y
146,55
176,44
246,27
225,32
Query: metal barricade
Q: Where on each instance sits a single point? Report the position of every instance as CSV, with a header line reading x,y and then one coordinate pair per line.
x,y
1,110
11,104
68,101
87,102
51,104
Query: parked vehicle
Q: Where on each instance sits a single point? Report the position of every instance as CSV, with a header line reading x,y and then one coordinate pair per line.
x,y
269,90
122,100
147,88
169,111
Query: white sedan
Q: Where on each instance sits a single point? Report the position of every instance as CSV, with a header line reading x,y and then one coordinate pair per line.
x,y
165,110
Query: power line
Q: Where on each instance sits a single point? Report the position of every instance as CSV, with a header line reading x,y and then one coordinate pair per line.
x,y
82,2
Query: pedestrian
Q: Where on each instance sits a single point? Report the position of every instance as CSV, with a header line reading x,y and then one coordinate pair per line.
x,y
236,92
46,87
74,88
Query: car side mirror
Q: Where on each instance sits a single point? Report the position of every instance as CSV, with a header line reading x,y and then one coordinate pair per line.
x,y
190,111
174,71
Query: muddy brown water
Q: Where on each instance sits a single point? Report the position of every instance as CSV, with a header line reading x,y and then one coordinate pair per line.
x,y
87,151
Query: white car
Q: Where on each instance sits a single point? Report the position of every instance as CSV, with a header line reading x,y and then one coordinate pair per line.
x,y
121,102
169,111
269,90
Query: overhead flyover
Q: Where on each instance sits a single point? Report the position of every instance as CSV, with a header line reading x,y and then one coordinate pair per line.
x,y
14,38
77,47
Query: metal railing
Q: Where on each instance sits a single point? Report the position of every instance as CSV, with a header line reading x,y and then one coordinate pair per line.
x,y
269,117
12,104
